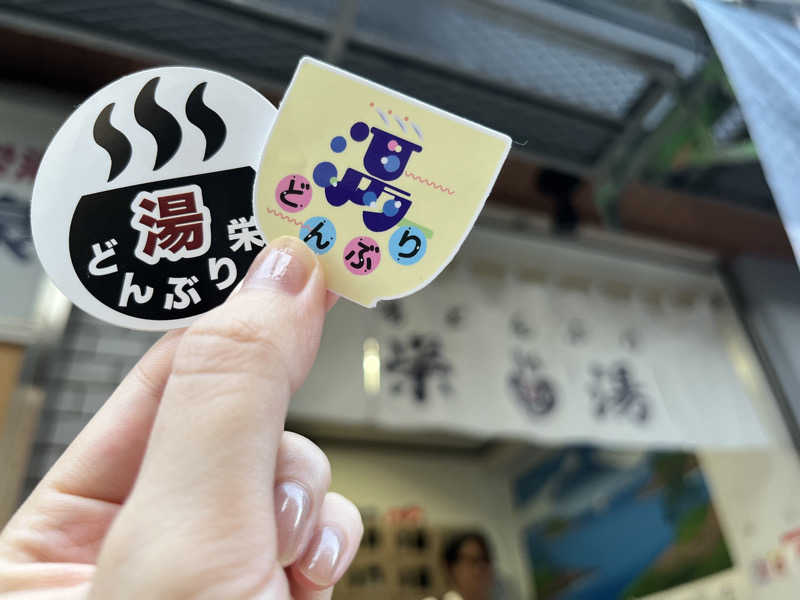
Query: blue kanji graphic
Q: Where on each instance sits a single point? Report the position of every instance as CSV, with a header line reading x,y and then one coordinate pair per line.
x,y
385,159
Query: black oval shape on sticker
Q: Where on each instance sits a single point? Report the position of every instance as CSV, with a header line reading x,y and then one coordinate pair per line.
x,y
104,221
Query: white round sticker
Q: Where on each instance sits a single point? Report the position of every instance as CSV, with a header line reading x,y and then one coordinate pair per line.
x,y
142,207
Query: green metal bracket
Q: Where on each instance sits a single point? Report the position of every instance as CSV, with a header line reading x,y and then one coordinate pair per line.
x,y
684,132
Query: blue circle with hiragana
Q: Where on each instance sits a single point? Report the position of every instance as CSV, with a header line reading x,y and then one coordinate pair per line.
x,y
408,240
359,131
323,173
319,234
338,144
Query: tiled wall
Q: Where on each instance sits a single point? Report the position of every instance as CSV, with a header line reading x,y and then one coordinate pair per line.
x,y
89,362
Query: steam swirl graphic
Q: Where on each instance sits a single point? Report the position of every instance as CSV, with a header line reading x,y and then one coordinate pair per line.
x,y
113,141
162,125
206,120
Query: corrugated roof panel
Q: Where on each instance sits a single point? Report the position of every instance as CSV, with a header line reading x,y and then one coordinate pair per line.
x,y
520,55
545,132
568,103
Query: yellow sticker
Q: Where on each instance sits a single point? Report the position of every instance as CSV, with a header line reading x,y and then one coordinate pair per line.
x,y
382,187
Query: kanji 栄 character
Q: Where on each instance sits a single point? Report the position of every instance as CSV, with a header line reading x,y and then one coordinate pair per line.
x,y
172,224
244,233
419,361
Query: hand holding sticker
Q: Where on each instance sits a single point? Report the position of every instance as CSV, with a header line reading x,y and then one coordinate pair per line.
x,y
395,184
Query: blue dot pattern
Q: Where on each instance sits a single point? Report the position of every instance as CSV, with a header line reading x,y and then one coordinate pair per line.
x,y
392,163
323,173
338,144
359,131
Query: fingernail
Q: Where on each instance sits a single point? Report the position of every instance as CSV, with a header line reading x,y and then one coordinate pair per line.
x,y
322,558
287,265
292,508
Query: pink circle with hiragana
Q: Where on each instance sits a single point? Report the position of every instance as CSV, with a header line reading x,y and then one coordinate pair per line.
x,y
293,193
361,255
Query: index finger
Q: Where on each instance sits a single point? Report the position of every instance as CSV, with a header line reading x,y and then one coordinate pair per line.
x,y
212,451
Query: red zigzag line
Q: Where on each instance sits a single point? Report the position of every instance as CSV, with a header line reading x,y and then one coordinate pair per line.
x,y
430,183
283,216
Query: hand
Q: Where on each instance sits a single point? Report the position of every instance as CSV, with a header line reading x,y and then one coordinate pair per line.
x,y
185,485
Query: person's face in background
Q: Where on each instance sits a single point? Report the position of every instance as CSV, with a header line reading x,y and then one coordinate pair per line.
x,y
472,573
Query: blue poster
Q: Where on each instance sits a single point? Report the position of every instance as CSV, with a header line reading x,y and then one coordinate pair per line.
x,y
618,525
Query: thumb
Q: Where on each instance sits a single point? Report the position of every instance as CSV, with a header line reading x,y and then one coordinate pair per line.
x,y
202,503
